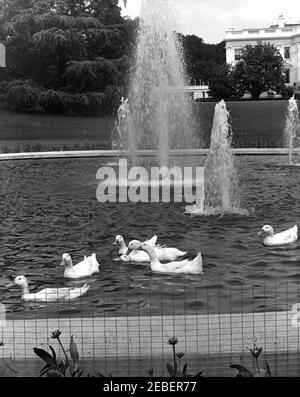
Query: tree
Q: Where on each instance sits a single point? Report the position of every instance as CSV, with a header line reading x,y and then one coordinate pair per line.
x,y
260,69
222,84
70,46
201,58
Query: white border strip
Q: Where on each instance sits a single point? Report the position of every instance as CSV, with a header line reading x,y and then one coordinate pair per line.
x,y
148,336
115,153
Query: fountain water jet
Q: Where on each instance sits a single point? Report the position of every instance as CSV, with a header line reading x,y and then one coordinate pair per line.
x,y
221,181
292,127
160,110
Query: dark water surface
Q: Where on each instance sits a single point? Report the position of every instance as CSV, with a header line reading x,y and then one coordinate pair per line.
x,y
49,207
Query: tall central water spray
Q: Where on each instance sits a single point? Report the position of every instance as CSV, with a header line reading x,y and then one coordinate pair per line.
x,y
160,109
292,127
221,182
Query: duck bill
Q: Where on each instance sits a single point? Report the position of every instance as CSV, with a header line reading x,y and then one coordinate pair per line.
x,y
10,285
114,243
62,263
260,233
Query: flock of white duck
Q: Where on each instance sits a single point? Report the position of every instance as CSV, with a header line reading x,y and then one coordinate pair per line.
x,y
162,259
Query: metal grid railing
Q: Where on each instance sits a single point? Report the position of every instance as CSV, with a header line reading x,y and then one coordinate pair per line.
x,y
126,334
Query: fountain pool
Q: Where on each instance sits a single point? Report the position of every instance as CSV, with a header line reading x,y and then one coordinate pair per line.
x,y
49,207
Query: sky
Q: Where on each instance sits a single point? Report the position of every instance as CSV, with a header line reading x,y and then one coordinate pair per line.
x,y
209,19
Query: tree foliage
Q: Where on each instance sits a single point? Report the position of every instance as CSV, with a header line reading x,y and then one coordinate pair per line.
x,y
223,85
260,69
71,46
201,59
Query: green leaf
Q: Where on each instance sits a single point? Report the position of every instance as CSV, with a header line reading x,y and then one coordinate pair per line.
x,y
54,374
243,372
74,351
268,373
170,370
80,373
45,356
53,354
45,370
198,374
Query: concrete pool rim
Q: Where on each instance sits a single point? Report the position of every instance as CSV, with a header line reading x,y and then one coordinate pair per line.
x,y
146,153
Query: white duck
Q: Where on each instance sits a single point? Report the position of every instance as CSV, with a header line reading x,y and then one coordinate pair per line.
x,y
119,240
134,256
289,236
49,294
85,268
163,253
186,266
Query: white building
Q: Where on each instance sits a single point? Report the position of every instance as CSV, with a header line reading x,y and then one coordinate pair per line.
x,y
198,91
284,33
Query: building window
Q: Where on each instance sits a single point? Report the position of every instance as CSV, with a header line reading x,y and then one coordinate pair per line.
x,y
287,76
287,54
237,54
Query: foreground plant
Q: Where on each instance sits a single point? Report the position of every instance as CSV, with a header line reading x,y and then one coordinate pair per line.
x,y
68,366
177,370
260,372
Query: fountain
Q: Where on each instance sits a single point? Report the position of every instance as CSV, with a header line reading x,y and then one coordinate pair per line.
x,y
221,182
158,113
160,116
121,123
292,127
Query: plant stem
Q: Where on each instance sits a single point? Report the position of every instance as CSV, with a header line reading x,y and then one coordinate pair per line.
x,y
67,359
174,360
256,360
179,364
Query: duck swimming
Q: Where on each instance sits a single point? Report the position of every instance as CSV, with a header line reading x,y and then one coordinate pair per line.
x,y
49,294
85,268
271,239
163,253
119,240
187,266
134,256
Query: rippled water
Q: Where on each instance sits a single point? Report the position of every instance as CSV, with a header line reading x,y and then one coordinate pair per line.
x,y
49,207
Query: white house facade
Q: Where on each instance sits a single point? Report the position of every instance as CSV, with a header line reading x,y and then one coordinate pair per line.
x,y
284,33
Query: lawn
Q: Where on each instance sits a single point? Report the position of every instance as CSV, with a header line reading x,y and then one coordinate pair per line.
x,y
21,131
254,124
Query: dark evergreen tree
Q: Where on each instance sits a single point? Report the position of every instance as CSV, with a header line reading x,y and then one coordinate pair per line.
x,y
65,48
201,59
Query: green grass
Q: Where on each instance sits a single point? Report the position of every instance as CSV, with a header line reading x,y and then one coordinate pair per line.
x,y
29,132
255,124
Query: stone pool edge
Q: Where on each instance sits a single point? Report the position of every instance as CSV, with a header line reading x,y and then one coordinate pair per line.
x,y
231,333
116,153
